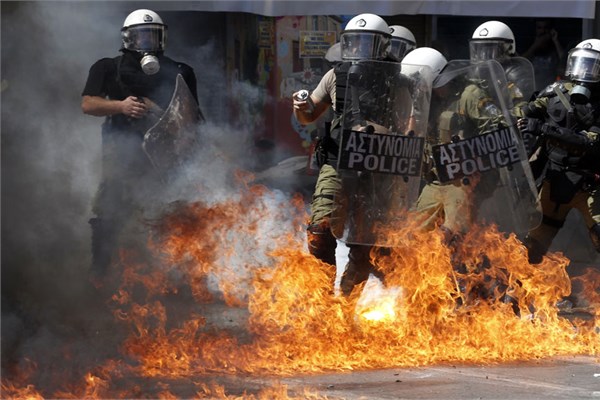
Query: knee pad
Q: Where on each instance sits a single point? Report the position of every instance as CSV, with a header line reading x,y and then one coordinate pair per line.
x,y
595,236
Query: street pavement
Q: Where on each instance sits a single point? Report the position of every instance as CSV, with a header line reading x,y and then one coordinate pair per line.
x,y
557,378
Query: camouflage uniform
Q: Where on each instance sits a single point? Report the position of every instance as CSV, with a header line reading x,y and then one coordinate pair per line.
x,y
321,241
468,113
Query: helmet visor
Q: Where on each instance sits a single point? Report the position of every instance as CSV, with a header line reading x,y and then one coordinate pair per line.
x,y
145,37
400,48
483,50
364,45
583,65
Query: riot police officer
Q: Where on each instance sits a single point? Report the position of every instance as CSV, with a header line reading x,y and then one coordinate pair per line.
x,y
464,106
131,91
494,40
566,117
403,42
365,37
460,108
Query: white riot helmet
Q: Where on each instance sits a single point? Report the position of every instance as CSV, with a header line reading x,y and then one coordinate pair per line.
x,y
403,41
583,62
583,68
424,56
366,37
144,31
492,40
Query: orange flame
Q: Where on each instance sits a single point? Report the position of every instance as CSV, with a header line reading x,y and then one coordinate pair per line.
x,y
434,312
229,288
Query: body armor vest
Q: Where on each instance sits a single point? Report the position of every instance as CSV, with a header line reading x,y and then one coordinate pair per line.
x,y
341,80
569,168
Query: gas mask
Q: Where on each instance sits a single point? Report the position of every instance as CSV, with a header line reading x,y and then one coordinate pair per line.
x,y
583,68
580,94
147,39
149,63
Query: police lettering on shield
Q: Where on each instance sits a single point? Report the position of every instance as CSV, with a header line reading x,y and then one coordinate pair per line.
x,y
481,153
381,153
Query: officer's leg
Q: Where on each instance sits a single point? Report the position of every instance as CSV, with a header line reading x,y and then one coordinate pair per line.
x,y
539,239
458,208
593,207
595,236
321,242
357,269
430,207
104,244
106,226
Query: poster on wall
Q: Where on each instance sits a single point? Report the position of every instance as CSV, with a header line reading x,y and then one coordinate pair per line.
x,y
266,34
316,43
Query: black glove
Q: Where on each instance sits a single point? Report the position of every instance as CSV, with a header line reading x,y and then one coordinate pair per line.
x,y
532,126
568,137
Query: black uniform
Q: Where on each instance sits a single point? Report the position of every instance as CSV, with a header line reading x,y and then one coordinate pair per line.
x,y
128,178
568,163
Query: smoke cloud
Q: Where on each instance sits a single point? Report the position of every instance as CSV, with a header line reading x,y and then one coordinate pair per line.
x,y
51,163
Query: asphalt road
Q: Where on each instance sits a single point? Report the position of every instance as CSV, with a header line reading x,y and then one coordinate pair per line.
x,y
557,378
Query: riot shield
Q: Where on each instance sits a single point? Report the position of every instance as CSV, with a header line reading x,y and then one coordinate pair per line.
x,y
380,149
477,145
174,137
520,79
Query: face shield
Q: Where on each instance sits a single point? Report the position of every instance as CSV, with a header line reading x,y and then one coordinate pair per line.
x,y
363,46
145,38
400,48
483,50
583,65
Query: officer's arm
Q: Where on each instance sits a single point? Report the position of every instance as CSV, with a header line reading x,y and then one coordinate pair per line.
x,y
320,100
536,108
102,107
481,110
574,140
305,113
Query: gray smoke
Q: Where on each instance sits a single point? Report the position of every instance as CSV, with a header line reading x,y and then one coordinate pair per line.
x,y
51,155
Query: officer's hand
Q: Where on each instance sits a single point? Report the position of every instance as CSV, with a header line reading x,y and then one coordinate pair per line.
x,y
530,125
300,104
134,107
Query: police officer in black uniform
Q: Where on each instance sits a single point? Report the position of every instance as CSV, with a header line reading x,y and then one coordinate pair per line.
x,y
132,91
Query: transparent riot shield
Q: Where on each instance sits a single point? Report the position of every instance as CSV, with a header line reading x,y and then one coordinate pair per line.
x,y
477,146
520,80
380,149
174,137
